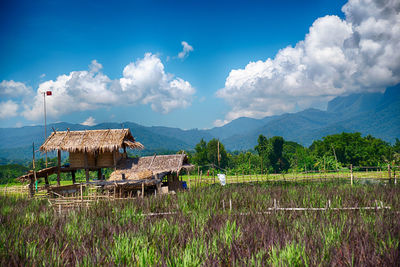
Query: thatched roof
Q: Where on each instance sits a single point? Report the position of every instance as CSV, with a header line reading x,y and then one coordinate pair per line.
x,y
90,140
156,164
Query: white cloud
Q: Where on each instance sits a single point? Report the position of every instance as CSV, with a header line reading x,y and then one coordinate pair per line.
x,y
142,82
8,109
337,57
187,48
145,81
219,123
89,121
14,89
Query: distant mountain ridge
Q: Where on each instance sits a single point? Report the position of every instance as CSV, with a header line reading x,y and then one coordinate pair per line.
x,y
370,113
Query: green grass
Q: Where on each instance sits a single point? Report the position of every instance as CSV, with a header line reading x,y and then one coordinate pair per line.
x,y
202,232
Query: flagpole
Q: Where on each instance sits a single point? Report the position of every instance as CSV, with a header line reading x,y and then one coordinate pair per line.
x,y
45,123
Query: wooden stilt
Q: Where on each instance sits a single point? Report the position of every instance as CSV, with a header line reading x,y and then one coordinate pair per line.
x,y
86,167
115,159
73,177
58,167
32,187
99,174
46,180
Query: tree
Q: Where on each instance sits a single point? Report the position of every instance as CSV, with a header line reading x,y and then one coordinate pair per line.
x,y
263,149
212,153
200,156
352,148
278,162
271,151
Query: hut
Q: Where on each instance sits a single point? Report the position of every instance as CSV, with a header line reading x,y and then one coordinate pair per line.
x,y
155,168
91,149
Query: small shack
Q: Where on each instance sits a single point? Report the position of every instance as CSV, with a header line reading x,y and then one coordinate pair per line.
x,y
91,150
157,168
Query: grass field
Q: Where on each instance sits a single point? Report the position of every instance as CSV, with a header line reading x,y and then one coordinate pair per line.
x,y
211,225
194,180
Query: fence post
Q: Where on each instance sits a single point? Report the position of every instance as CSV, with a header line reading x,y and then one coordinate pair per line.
x,y
188,174
351,174
214,175
389,174
198,174
81,193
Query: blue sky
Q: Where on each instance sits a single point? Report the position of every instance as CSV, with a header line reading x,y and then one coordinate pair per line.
x,y
112,45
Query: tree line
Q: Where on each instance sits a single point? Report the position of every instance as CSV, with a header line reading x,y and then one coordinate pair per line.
x,y
277,155
271,155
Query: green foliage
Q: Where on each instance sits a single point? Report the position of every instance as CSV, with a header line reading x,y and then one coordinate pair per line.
x,y
352,148
200,157
207,154
213,147
275,152
292,254
9,172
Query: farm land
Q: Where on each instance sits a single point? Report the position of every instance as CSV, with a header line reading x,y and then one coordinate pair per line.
x,y
282,205
238,224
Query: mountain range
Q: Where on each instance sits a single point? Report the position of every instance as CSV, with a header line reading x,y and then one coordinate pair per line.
x,y
377,114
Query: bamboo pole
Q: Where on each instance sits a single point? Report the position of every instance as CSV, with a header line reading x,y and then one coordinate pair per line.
x,y
33,161
198,174
81,193
351,174
58,166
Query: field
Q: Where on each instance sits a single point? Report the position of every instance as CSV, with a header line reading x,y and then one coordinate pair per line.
x,y
239,224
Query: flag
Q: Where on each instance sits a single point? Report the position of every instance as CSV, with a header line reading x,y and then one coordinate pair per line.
x,y
48,92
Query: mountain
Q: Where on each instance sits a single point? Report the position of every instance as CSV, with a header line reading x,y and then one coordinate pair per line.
x,y
370,113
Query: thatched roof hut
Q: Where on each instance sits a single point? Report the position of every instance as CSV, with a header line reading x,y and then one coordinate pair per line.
x,y
90,149
158,165
90,141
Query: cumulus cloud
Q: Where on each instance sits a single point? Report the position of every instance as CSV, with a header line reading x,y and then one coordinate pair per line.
x,y
143,82
89,121
13,89
187,48
337,57
8,109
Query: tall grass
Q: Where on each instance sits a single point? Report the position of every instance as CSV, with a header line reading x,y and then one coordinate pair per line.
x,y
204,231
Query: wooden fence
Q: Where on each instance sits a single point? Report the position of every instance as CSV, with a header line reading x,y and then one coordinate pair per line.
x,y
352,174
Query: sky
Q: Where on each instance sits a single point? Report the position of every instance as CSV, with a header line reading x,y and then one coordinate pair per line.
x,y
190,64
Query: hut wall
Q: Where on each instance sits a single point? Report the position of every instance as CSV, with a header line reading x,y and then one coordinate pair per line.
x,y
77,160
104,160
173,182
